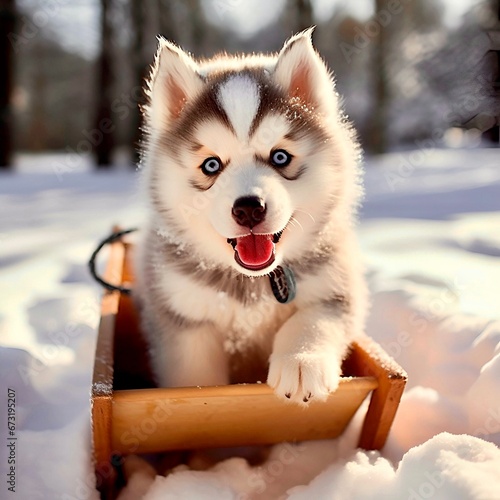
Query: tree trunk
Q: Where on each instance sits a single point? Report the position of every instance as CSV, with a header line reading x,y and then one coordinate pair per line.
x,y
304,13
139,71
377,130
166,20
197,27
7,25
494,132
104,128
37,128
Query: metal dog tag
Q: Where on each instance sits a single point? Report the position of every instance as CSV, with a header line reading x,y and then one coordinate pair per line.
x,y
283,284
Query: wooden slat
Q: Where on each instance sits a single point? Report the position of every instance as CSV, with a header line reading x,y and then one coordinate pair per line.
x,y
131,357
152,420
368,359
102,380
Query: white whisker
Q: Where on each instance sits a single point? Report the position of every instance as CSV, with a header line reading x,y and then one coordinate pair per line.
x,y
294,221
307,213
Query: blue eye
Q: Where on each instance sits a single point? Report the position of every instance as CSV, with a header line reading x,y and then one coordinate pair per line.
x,y
211,166
280,158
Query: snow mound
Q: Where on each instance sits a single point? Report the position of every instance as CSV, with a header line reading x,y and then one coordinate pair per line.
x,y
445,467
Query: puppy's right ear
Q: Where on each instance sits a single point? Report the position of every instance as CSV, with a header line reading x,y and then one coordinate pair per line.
x,y
174,82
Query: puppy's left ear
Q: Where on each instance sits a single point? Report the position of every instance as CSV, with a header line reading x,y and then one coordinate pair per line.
x,y
301,72
174,83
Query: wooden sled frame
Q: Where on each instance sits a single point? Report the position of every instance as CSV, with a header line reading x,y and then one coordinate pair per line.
x,y
148,420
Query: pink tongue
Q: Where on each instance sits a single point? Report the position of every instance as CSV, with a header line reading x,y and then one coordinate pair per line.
x,y
255,249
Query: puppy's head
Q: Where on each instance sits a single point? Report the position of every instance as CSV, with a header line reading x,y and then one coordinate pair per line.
x,y
248,157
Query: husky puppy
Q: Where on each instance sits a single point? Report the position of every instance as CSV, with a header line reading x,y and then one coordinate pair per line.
x,y
248,258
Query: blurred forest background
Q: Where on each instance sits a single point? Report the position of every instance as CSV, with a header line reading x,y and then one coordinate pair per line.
x,y
413,73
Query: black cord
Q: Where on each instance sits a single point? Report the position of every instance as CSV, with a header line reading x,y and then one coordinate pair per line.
x,y
110,239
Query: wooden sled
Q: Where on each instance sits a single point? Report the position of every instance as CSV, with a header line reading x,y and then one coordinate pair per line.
x,y
130,415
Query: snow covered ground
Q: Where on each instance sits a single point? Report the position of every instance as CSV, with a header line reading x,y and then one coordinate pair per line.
x,y
430,233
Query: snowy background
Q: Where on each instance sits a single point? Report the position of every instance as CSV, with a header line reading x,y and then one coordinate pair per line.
x,y
430,233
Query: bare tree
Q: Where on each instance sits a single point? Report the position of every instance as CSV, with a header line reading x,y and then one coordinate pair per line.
x,y
304,14
493,134
7,24
38,126
104,128
139,70
197,26
166,19
377,129
298,16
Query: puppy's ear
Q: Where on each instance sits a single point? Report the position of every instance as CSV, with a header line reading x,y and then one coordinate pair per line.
x,y
301,72
174,82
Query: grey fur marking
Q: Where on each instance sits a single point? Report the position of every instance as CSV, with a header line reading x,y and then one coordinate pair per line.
x,y
227,280
312,262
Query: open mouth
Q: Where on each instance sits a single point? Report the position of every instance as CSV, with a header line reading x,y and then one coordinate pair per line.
x,y
255,251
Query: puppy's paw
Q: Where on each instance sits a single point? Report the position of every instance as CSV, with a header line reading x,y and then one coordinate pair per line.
x,y
302,377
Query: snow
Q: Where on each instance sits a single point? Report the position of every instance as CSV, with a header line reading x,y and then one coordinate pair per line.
x,y
430,236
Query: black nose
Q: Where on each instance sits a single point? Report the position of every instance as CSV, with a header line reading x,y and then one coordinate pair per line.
x,y
248,211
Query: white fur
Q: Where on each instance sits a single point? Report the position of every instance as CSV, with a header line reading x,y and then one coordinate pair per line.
x,y
197,302
297,57
239,97
309,338
172,64
196,355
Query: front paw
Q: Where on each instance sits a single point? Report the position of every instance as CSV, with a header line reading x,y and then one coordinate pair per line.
x,y
301,377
